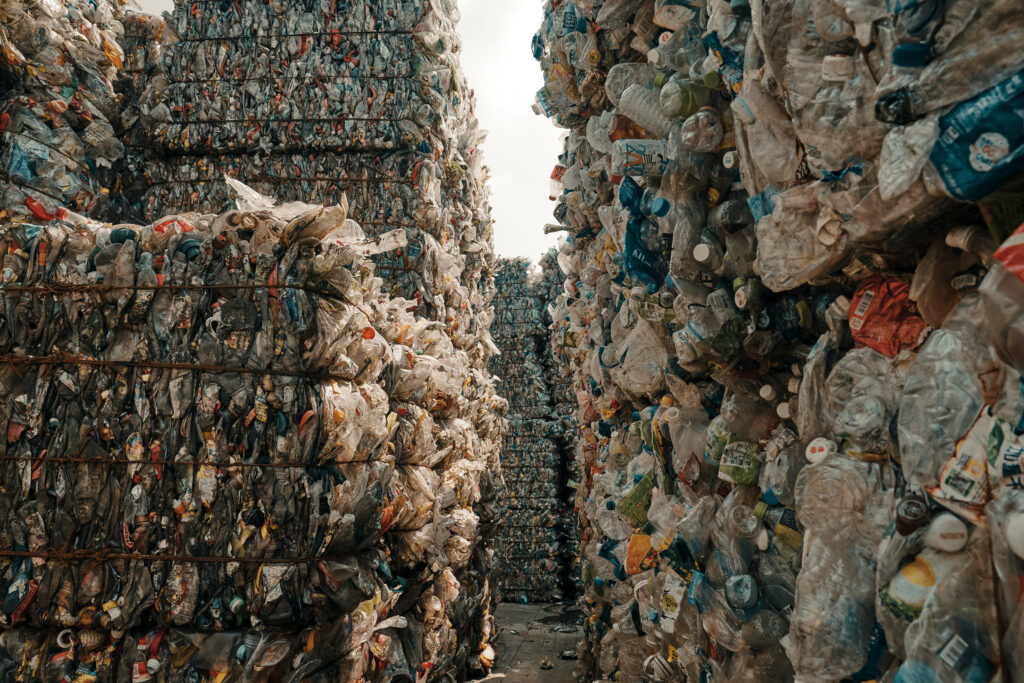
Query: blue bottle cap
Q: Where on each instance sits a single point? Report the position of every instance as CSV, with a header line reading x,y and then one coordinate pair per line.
x,y
609,505
661,207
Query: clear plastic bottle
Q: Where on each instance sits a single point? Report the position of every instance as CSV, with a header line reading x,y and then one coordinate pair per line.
x,y
701,132
621,76
1002,300
681,98
944,392
640,158
689,218
642,104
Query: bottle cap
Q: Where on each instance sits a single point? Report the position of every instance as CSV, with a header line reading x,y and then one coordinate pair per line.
x,y
960,237
911,55
661,207
837,68
793,385
702,253
783,411
768,392
1015,535
819,449
760,509
741,298
911,513
655,57
947,533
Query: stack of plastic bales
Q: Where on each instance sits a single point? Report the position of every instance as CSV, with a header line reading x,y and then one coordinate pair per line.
x,y
59,60
563,411
146,39
530,540
308,102
361,99
224,454
796,349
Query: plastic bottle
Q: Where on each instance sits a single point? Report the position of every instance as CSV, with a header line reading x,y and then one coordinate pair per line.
x,y
673,14
642,104
944,393
689,218
640,158
1002,292
681,98
622,76
701,132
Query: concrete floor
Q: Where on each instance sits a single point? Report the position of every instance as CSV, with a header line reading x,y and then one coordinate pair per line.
x,y
526,635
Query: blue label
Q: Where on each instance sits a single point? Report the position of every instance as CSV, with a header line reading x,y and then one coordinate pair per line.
x,y
981,141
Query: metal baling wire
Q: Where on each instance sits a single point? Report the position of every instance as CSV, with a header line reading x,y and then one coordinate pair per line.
x,y
107,554
282,179
278,36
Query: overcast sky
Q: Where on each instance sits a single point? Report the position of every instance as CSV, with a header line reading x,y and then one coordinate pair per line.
x,y
522,147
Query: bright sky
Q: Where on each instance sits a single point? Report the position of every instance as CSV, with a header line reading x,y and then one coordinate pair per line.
x,y
521,148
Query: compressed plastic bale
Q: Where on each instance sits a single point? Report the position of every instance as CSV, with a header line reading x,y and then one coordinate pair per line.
x,y
58,142
771,450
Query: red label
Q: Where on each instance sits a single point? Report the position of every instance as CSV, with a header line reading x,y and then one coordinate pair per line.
x,y
883,317
1011,253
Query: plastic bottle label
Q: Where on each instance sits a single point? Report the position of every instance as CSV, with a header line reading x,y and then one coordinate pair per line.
x,y
1011,253
981,141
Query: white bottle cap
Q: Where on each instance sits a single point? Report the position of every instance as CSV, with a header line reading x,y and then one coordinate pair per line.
x,y
793,385
819,449
837,68
768,392
702,253
740,297
947,533
655,57
536,109
783,411
841,306
1015,535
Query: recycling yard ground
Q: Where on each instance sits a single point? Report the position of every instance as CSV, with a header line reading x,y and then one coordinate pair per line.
x,y
530,633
